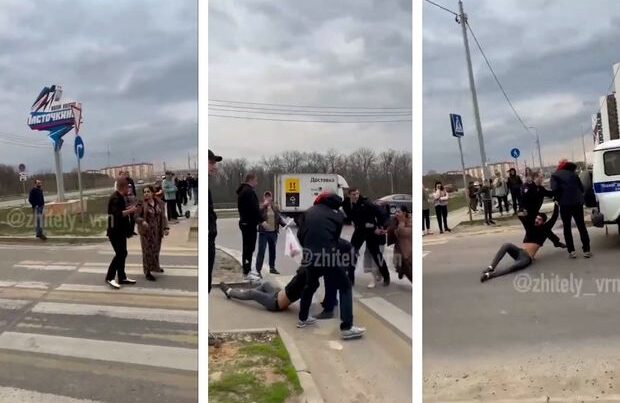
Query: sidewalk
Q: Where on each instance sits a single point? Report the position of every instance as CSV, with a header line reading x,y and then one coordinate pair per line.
x,y
179,233
375,368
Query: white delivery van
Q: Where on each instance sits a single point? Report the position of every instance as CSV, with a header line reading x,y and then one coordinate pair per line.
x,y
295,193
606,183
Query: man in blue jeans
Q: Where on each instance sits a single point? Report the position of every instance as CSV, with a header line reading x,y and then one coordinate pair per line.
x,y
37,201
319,234
268,233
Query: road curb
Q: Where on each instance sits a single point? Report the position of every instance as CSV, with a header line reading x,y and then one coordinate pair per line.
x,y
372,311
51,240
310,392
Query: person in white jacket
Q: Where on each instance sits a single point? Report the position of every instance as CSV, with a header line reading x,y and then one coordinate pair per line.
x,y
500,192
440,199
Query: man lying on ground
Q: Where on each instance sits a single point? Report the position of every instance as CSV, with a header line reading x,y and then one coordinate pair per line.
x,y
269,294
536,233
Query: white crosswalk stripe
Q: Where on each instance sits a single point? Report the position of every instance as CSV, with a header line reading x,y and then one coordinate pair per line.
x,y
28,396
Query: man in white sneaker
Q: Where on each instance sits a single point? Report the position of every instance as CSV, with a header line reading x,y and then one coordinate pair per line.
x,y
119,229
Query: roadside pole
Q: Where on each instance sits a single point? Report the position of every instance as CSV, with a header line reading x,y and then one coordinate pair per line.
x,y
456,122
474,97
79,153
465,187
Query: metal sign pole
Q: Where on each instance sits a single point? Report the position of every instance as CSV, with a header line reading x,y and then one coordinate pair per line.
x,y
81,195
60,184
25,194
465,189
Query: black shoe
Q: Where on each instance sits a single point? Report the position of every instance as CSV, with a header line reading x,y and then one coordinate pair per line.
x,y
42,237
325,315
386,281
448,230
441,232
492,222
273,271
225,289
151,277
127,281
485,276
400,275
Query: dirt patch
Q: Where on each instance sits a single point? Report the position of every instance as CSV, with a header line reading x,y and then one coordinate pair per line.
x,y
251,367
226,269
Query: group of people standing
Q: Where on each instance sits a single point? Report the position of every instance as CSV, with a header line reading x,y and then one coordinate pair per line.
x,y
176,192
325,255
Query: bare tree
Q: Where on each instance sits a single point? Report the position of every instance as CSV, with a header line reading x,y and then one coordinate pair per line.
x,y
292,161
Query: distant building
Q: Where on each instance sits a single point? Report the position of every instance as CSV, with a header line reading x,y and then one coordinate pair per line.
x,y
141,170
605,125
501,167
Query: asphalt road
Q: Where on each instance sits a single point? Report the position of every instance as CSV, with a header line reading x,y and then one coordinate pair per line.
x,y
397,294
550,330
20,201
65,336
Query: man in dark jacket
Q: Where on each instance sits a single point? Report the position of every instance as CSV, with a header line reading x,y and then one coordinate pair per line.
x,y
119,229
534,194
37,201
213,160
319,234
514,186
568,191
249,219
369,222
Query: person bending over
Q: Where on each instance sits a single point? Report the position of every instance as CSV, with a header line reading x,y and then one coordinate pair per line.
x,y
536,233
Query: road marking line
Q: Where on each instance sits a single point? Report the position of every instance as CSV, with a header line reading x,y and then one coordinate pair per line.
x,y
128,353
8,394
51,267
387,311
126,290
121,312
139,265
168,273
13,304
163,253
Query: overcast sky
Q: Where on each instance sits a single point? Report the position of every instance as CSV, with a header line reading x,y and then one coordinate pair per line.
x,y
554,59
132,64
330,53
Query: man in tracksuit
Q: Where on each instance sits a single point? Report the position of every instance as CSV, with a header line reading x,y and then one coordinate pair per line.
x,y
249,218
213,160
369,222
319,234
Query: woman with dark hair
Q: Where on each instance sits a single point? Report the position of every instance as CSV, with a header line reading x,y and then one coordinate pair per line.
x,y
400,235
440,198
152,227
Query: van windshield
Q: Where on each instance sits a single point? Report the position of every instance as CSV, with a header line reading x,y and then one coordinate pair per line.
x,y
611,161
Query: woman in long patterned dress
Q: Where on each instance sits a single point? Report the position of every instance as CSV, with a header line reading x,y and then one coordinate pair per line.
x,y
152,226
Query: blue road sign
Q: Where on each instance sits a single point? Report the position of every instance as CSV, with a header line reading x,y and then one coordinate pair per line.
x,y
457,125
78,147
515,153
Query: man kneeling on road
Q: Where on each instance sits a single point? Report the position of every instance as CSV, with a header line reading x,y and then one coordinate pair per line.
x,y
536,233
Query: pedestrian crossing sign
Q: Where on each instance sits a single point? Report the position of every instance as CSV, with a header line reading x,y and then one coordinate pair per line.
x,y
457,125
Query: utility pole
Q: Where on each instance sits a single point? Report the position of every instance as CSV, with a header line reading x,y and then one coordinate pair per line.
x,y
583,146
108,156
483,157
189,163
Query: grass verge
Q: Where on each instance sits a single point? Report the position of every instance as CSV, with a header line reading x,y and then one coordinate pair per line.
x,y
241,371
19,221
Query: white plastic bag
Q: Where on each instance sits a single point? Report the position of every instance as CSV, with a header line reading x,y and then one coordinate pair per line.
x,y
292,247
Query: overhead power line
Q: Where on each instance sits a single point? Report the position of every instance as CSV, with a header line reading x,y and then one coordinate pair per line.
x,y
319,114
442,7
501,87
312,106
309,121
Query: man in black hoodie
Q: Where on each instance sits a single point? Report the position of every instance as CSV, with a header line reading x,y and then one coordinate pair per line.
x,y
37,201
369,222
249,219
213,160
514,186
319,234
569,193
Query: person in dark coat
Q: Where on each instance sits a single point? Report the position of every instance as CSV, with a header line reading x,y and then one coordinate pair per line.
x,y
369,222
325,255
119,229
213,160
534,194
514,187
37,201
249,219
569,193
